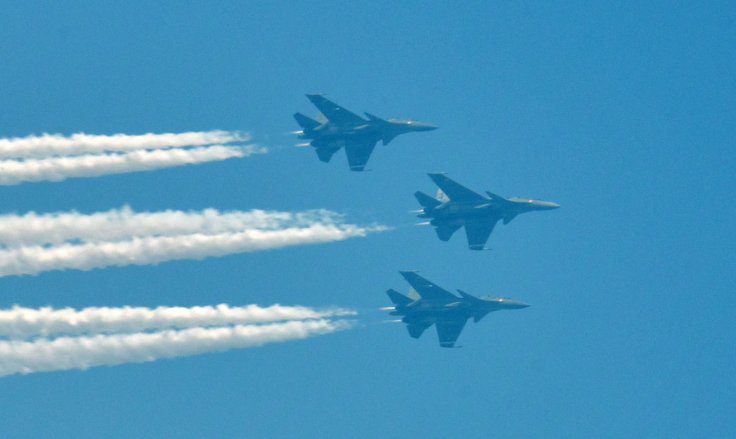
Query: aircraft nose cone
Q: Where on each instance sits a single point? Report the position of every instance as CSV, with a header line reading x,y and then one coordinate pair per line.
x,y
511,304
547,205
421,126
518,305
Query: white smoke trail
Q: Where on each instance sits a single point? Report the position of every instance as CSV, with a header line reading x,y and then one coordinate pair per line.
x,y
92,165
24,323
116,224
65,353
144,251
57,145
154,243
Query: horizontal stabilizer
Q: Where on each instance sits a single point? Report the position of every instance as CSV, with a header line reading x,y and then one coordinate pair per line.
x,y
417,328
325,154
426,200
398,298
306,122
445,231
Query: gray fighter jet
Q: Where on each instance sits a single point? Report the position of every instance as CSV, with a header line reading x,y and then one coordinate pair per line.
x,y
338,127
456,206
428,304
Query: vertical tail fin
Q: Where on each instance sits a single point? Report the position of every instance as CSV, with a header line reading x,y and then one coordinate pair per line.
x,y
425,200
398,298
306,122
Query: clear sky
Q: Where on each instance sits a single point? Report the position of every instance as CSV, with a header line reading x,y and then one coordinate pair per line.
x,y
623,113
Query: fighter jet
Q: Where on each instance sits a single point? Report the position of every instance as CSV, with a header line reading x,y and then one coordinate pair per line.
x,y
337,127
429,304
455,206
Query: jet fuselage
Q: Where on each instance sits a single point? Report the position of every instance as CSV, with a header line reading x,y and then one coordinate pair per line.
x,y
338,128
332,135
328,135
429,304
457,212
464,308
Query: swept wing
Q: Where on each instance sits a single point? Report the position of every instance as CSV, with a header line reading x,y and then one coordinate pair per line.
x,y
358,153
455,191
334,112
449,330
428,290
478,232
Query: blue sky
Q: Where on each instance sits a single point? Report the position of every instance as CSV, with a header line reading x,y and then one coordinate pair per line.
x,y
624,114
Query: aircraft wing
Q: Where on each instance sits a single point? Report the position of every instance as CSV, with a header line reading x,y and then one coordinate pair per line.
x,y
335,113
445,231
454,190
478,233
449,330
427,289
326,153
417,328
358,153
